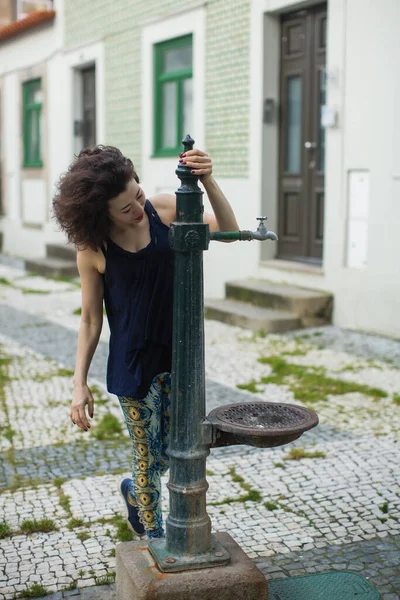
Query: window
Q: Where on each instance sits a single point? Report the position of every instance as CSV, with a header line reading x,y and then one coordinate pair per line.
x,y
173,104
32,113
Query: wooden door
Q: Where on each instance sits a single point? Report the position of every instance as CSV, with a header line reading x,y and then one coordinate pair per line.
x,y
302,139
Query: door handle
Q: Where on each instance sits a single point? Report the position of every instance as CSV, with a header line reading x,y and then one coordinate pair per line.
x,y
310,145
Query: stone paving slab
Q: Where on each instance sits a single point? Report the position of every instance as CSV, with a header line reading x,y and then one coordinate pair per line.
x,y
338,509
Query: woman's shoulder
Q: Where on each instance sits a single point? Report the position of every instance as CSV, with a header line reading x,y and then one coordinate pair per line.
x,y
165,206
88,259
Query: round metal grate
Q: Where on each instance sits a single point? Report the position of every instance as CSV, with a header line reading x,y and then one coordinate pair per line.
x,y
265,416
263,419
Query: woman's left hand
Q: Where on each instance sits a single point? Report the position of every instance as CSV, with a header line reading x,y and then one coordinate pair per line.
x,y
199,162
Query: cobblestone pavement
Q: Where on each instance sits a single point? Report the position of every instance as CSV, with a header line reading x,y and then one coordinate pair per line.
x,y
328,501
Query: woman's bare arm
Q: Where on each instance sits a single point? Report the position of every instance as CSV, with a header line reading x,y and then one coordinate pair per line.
x,y
89,334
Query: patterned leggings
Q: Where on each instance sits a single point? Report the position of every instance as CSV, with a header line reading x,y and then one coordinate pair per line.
x,y
148,423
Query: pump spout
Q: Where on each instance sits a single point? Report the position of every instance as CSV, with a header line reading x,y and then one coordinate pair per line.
x,y
262,232
268,235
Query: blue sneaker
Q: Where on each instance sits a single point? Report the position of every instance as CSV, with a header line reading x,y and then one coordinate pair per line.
x,y
154,534
132,514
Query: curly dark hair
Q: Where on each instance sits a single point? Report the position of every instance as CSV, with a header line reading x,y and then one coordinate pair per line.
x,y
80,204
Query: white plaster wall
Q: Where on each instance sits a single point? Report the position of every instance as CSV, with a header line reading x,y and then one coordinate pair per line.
x,y
61,103
10,127
222,262
368,298
26,56
364,87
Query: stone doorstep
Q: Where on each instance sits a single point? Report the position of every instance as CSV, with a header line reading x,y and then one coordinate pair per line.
x,y
263,305
300,301
52,267
251,317
64,251
304,303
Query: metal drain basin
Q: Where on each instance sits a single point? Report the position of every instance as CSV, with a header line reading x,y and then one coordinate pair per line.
x,y
261,424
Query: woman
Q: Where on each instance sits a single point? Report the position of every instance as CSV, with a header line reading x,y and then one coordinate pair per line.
x,y
124,258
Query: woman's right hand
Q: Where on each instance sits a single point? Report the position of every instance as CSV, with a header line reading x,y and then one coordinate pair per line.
x,y
82,398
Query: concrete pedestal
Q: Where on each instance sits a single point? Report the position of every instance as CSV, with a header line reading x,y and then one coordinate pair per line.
x,y
138,577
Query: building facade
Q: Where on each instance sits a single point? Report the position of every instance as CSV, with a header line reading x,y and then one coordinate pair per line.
x,y
294,101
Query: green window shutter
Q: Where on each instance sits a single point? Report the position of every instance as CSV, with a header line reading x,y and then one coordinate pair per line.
x,y
173,107
31,117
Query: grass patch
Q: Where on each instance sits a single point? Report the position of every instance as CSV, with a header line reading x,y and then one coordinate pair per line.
x,y
65,502
252,495
59,481
98,395
83,535
296,352
4,281
209,473
123,534
105,579
30,291
279,465
5,530
384,508
108,428
34,591
81,573
30,526
72,586
396,399
112,552
310,384
65,280
77,311
250,387
300,453
271,505
75,522
8,433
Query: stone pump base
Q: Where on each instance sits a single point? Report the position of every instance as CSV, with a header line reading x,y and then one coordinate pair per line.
x,y
138,577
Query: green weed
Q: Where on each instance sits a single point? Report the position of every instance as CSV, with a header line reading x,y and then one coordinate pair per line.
x,y
34,591
108,428
250,387
105,579
65,502
384,507
300,453
310,384
30,526
5,530
74,523
271,505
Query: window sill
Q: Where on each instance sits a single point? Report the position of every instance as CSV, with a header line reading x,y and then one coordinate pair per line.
x,y
32,165
167,154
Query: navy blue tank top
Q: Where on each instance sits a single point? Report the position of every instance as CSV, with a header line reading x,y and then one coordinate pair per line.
x,y
138,296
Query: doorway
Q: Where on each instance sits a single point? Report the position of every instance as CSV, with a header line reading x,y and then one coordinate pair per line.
x,y
301,137
85,108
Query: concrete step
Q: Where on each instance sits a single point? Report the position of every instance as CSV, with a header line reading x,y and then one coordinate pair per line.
x,y
52,267
251,317
312,307
60,251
